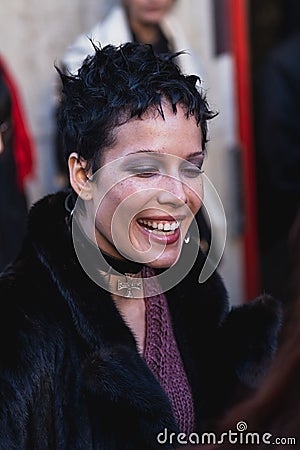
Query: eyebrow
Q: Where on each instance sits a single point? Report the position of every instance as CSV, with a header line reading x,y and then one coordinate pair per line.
x,y
159,153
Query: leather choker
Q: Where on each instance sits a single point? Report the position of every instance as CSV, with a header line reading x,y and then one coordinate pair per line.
x,y
123,266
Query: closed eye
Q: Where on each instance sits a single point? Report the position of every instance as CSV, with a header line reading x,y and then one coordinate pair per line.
x,y
192,171
144,172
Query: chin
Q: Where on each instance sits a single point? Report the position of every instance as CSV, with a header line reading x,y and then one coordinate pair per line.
x,y
164,262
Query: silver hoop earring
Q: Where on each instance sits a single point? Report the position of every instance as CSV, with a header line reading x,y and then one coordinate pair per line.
x,y
187,238
69,209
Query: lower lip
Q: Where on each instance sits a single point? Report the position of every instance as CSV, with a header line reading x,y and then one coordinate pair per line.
x,y
161,238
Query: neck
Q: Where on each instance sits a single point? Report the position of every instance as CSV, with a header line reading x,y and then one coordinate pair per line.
x,y
145,33
122,265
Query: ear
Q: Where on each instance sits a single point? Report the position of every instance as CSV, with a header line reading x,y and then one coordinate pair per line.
x,y
79,177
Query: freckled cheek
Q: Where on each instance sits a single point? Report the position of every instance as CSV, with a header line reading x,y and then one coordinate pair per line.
x,y
125,198
194,200
126,193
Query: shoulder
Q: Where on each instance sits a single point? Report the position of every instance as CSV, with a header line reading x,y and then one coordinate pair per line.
x,y
28,297
191,61
200,306
113,29
28,307
245,337
29,338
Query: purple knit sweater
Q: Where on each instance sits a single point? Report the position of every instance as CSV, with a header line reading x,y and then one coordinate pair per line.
x,y
163,358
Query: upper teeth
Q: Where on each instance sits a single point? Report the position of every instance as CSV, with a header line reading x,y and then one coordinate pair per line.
x,y
166,226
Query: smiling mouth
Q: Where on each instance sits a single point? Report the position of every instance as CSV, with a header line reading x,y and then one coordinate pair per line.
x,y
160,228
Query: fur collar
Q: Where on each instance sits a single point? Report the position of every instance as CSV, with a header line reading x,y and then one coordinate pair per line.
x,y
220,338
50,236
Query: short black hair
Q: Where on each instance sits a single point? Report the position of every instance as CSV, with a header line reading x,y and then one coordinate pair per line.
x,y
116,84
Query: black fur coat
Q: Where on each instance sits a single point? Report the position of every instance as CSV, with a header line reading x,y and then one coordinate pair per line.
x,y
70,373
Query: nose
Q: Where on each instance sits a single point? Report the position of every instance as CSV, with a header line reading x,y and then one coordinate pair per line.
x,y
173,192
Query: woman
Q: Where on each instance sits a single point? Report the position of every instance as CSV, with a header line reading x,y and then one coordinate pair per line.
x,y
113,340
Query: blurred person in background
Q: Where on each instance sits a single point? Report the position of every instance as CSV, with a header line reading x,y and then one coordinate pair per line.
x,y
145,21
279,154
16,164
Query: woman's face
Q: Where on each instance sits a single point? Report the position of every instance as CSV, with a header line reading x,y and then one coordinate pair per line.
x,y
149,188
147,12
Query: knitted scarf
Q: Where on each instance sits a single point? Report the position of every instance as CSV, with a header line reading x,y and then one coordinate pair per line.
x,y
162,355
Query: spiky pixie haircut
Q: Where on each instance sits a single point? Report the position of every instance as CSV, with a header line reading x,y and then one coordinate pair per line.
x,y
117,84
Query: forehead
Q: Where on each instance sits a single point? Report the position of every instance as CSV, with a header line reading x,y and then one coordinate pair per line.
x,y
157,123
174,133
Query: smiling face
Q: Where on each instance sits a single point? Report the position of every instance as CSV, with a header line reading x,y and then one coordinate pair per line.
x,y
149,188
